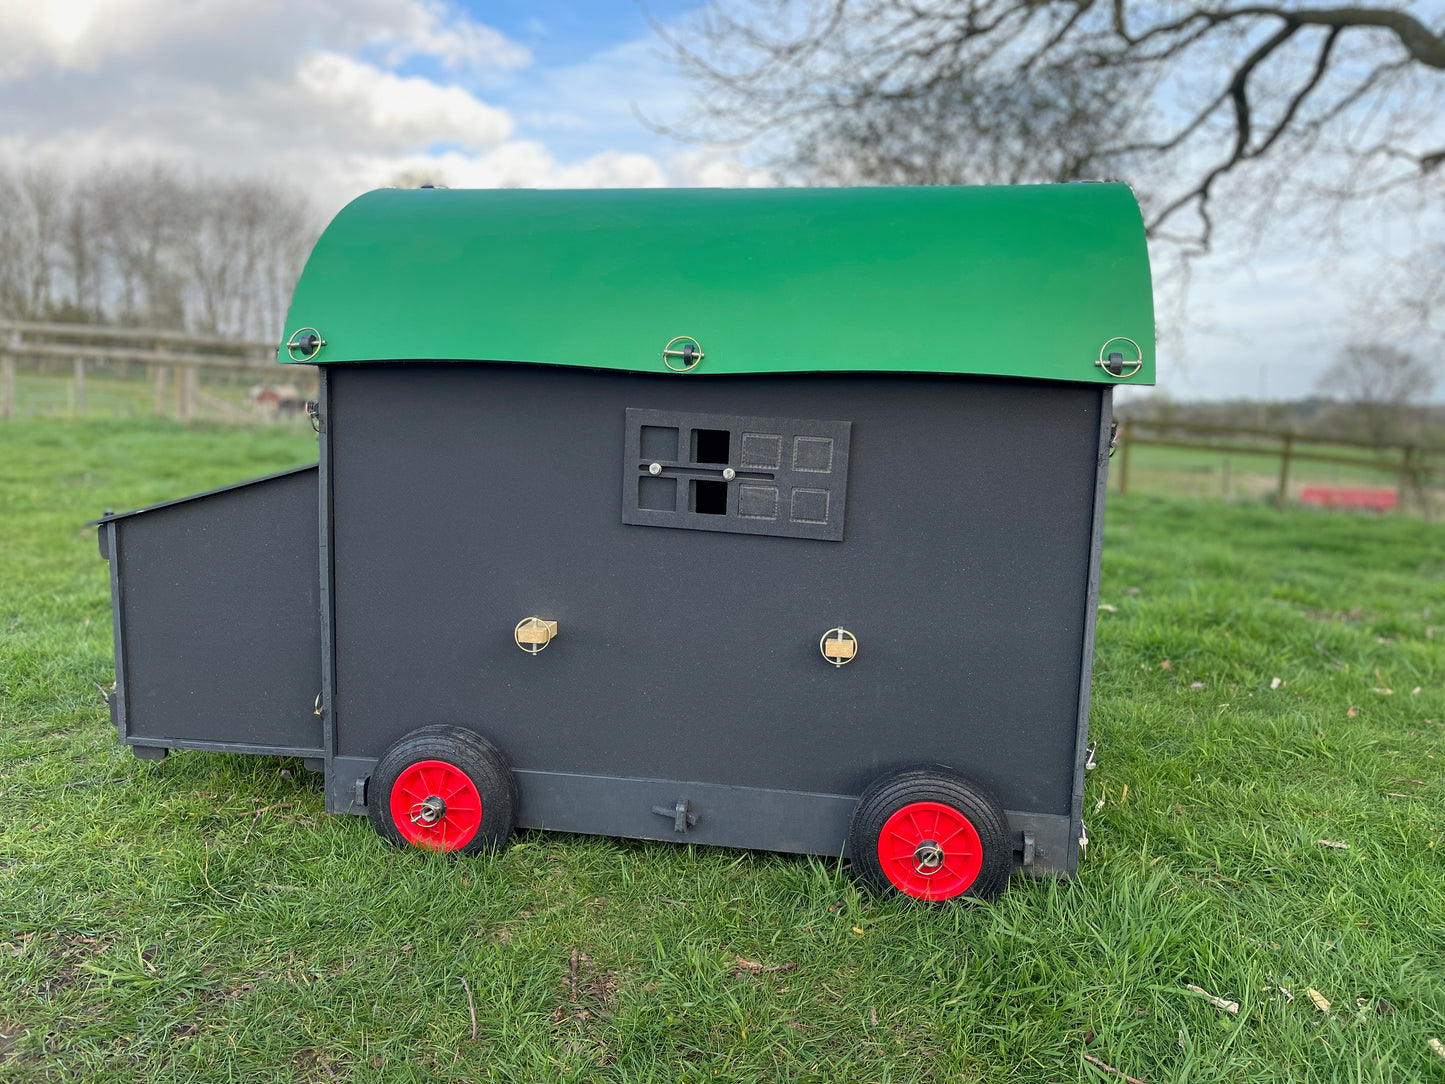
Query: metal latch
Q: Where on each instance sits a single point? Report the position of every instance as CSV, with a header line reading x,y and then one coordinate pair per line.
x,y
839,646
1114,363
682,816
1089,763
1028,849
689,353
307,341
534,633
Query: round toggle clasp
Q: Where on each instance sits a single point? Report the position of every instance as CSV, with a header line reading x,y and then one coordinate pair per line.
x,y
308,340
1114,363
533,634
839,646
690,352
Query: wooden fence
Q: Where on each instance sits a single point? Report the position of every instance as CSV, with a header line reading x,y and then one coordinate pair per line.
x,y
173,360
1412,465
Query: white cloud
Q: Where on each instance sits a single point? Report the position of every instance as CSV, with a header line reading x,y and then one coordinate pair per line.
x,y
81,35
395,112
710,167
310,89
427,28
514,164
614,169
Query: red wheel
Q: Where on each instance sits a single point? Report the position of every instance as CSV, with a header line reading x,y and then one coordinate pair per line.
x,y
435,804
930,851
444,788
931,835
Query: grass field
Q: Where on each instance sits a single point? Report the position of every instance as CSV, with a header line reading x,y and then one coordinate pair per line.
x,y
1264,682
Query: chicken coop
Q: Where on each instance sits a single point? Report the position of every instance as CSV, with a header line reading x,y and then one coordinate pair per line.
x,y
767,519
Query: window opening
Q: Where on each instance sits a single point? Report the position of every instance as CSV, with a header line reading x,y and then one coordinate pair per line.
x,y
709,498
710,446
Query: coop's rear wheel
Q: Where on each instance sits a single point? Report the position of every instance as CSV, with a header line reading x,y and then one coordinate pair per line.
x,y
443,788
932,835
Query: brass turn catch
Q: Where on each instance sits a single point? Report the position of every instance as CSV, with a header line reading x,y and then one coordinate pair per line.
x,y
533,634
839,646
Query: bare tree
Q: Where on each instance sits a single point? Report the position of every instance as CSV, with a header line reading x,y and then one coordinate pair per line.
x,y
1191,101
81,257
146,246
30,227
1384,387
245,244
143,212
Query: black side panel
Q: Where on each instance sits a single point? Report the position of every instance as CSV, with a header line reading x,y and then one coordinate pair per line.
x,y
469,497
218,619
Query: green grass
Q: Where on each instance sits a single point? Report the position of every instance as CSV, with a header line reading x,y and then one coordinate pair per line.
x,y
202,919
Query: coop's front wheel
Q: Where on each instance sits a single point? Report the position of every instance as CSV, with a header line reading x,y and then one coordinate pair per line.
x,y
932,835
443,788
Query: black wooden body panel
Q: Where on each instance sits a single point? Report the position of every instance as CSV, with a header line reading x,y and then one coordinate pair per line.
x,y
467,497
217,617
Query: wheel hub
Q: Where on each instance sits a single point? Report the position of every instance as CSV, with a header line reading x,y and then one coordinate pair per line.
x,y
428,811
929,850
927,858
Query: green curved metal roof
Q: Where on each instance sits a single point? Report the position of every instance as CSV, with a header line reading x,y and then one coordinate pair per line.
x,y
1026,281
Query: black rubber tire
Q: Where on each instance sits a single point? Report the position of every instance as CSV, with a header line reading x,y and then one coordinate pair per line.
x,y
892,792
463,749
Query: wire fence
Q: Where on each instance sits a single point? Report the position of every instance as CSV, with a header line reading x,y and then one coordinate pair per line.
x,y
1368,475
80,369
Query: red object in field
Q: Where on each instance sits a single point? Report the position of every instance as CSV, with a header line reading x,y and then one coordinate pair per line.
x,y
1352,497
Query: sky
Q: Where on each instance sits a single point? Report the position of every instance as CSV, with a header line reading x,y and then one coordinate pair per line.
x,y
341,96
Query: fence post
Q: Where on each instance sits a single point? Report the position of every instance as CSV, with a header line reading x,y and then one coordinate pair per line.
x,y
1407,476
186,392
1279,497
1124,458
79,386
7,375
161,369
